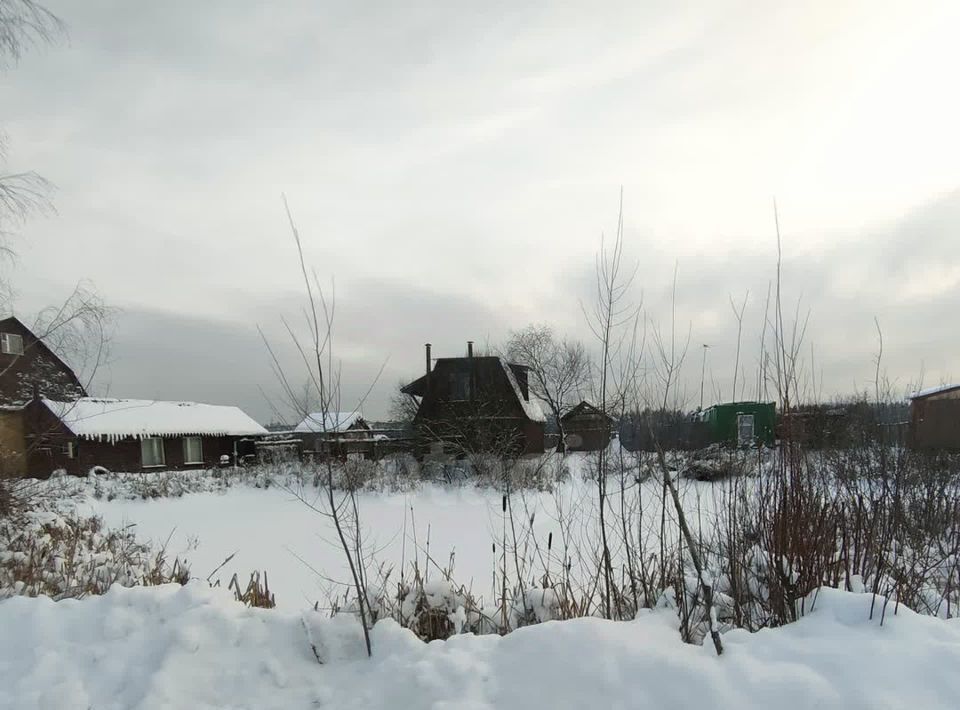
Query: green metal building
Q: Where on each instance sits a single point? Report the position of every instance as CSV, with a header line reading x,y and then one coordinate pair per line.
x,y
740,423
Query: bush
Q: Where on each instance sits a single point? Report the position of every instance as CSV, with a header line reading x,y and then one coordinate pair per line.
x,y
64,555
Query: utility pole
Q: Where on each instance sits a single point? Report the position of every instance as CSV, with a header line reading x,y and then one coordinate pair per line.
x,y
703,370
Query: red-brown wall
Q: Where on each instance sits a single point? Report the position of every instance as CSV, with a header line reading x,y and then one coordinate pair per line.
x,y
47,437
935,423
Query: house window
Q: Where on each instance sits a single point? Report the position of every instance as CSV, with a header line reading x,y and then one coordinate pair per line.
x,y
192,449
11,344
151,451
459,386
70,450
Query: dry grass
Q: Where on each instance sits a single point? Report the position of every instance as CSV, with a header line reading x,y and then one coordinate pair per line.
x,y
65,555
256,594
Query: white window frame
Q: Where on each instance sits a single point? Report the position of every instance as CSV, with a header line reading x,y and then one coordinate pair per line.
x,y
199,440
6,343
163,455
70,450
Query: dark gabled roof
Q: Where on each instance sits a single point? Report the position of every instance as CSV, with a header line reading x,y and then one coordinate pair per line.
x,y
531,409
418,387
584,408
47,349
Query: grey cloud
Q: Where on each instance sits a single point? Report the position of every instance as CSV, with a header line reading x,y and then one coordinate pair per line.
x,y
453,167
841,340
378,324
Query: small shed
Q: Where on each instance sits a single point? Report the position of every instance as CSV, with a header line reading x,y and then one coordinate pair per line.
x,y
345,425
740,423
586,428
935,418
134,435
337,434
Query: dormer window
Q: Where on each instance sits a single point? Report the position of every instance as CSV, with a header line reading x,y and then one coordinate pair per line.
x,y
11,344
459,386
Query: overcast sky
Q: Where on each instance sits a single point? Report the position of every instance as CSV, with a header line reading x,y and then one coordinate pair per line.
x,y
452,166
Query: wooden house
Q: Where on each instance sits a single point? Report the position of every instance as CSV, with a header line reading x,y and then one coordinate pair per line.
x,y
586,428
476,404
134,435
28,367
935,418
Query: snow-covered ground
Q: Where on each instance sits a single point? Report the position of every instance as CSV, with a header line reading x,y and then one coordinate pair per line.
x,y
194,647
270,529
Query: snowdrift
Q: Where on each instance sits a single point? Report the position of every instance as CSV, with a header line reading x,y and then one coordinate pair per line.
x,y
194,647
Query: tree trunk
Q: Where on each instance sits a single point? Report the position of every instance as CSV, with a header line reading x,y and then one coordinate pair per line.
x,y
562,443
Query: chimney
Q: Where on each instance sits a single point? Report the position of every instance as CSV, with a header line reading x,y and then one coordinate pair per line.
x,y
427,346
469,348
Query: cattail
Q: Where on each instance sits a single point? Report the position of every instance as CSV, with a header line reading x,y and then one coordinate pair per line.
x,y
549,542
504,502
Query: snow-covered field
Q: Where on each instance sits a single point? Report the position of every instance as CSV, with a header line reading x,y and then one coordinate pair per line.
x,y
194,647
270,529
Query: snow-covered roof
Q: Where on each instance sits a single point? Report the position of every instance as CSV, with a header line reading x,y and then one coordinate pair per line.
x,y
530,407
932,390
113,419
329,423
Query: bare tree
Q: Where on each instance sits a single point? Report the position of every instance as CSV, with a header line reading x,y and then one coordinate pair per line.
x,y
323,392
559,368
669,358
403,407
23,24
738,314
669,355
611,313
79,330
